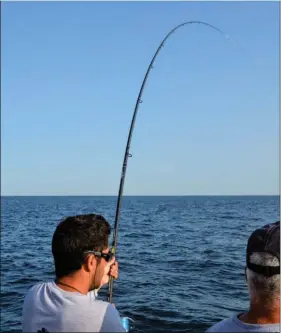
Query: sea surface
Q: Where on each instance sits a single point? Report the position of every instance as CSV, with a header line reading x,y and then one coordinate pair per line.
x,y
181,259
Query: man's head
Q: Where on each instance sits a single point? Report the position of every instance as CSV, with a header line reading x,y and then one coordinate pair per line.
x,y
263,264
77,245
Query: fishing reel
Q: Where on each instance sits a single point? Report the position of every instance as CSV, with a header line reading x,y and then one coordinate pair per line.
x,y
127,323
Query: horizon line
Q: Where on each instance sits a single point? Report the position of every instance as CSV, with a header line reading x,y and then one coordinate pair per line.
x,y
138,195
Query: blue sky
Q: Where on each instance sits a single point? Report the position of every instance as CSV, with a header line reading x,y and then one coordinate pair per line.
x,y
71,72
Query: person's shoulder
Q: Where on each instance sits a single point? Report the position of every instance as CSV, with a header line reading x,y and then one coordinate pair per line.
x,y
224,325
33,297
35,288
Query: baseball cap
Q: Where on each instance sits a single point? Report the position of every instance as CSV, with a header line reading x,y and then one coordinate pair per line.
x,y
265,239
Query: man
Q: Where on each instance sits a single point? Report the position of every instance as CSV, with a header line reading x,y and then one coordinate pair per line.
x,y
262,274
83,264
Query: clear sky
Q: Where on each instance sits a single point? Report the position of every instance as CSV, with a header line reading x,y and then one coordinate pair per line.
x,y
71,72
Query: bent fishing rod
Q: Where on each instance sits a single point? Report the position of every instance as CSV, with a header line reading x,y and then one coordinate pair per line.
x,y
127,150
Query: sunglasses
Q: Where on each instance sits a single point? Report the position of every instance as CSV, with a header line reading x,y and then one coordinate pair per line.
x,y
106,256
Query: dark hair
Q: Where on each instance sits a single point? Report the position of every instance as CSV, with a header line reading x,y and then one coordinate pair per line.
x,y
73,236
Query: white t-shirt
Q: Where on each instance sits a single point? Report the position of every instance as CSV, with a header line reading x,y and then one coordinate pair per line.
x,y
47,308
234,324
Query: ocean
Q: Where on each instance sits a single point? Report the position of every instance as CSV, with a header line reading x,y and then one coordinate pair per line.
x,y
181,259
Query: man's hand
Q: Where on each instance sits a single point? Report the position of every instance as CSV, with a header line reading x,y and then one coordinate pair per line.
x,y
114,270
111,271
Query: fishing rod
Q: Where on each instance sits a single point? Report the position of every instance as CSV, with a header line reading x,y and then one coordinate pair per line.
x,y
127,150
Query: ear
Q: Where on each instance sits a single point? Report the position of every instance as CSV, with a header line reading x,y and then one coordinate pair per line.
x,y
90,263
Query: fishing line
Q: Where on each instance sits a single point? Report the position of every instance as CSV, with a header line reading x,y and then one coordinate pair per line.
x,y
127,150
